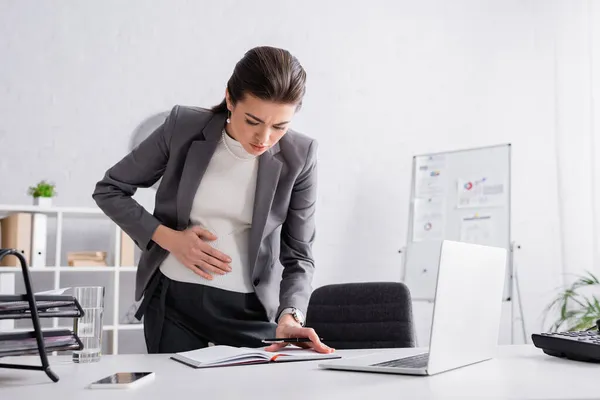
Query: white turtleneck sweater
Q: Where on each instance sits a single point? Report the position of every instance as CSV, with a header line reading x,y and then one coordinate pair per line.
x,y
223,204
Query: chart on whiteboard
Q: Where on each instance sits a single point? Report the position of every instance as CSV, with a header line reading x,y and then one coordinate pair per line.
x,y
429,219
481,192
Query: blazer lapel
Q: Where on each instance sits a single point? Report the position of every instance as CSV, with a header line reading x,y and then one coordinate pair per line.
x,y
269,169
196,162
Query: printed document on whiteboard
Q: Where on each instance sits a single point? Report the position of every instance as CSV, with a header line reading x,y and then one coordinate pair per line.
x,y
430,176
429,219
481,192
477,230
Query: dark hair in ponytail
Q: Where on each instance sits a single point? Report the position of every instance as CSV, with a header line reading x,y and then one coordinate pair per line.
x,y
268,73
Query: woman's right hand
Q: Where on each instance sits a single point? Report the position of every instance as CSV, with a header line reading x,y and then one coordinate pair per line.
x,y
190,248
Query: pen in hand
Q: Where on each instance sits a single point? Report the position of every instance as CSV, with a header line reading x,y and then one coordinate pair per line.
x,y
288,340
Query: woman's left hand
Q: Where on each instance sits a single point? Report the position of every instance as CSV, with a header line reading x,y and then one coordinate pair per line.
x,y
289,328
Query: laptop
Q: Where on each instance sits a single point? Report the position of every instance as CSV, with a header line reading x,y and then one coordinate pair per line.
x,y
466,316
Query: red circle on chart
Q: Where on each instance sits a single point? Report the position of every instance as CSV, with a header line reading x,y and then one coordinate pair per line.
x,y
468,186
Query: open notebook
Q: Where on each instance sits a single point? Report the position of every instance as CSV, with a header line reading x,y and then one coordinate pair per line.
x,y
221,356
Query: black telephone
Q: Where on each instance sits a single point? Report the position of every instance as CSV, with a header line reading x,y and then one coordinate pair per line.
x,y
578,345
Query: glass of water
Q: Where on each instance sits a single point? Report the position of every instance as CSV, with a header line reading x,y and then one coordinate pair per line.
x,y
89,327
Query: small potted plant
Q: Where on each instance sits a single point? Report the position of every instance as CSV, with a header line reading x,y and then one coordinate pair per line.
x,y
42,193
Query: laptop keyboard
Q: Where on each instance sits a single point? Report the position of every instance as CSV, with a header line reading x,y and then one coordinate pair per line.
x,y
418,361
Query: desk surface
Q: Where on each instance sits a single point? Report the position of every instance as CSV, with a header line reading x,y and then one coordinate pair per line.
x,y
519,372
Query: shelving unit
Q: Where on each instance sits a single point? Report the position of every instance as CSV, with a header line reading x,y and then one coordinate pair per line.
x,y
59,270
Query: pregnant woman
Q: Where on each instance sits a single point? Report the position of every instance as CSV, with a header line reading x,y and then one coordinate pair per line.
x,y
227,253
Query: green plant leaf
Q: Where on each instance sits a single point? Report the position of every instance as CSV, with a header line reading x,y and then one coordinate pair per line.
x,y
576,311
596,304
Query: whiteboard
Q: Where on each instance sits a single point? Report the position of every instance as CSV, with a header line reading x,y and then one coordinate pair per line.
x,y
460,195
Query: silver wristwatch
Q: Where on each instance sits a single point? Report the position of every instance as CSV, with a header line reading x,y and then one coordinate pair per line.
x,y
295,313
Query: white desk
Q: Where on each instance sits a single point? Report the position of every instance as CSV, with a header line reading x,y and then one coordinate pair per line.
x,y
519,372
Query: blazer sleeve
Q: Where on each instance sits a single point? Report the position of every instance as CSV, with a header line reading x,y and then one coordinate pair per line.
x,y
141,168
297,237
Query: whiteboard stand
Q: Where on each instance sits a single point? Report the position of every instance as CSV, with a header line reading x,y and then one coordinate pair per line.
x,y
517,290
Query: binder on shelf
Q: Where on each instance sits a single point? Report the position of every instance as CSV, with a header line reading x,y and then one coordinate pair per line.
x,y
15,233
127,251
39,230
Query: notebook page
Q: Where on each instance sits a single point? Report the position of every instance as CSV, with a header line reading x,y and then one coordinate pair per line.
x,y
290,351
222,354
302,353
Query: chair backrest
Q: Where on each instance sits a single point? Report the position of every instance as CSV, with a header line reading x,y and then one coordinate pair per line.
x,y
362,315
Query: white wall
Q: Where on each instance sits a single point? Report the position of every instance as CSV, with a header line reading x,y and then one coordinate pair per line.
x,y
386,81
577,135
594,47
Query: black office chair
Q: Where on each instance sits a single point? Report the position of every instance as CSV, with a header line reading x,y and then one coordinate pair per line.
x,y
362,315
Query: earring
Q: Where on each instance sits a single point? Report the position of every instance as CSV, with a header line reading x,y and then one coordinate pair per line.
x,y
228,117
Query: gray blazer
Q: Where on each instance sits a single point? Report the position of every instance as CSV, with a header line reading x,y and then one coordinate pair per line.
x,y
283,227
